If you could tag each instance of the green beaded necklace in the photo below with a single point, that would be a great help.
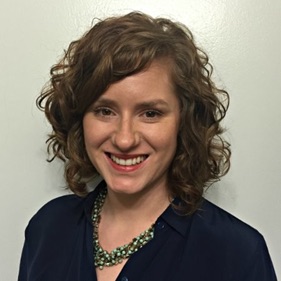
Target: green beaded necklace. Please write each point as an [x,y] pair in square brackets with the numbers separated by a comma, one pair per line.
[102,257]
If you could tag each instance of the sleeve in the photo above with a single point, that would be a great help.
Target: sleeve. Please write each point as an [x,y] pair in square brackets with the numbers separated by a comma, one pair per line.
[23,268]
[261,268]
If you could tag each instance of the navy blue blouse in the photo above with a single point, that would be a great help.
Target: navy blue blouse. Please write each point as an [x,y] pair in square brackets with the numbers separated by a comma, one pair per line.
[210,245]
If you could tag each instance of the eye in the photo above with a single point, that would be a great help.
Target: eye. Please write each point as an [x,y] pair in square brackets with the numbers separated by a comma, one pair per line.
[103,112]
[151,114]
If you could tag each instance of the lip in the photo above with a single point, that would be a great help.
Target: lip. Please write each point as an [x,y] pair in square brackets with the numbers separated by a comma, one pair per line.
[124,168]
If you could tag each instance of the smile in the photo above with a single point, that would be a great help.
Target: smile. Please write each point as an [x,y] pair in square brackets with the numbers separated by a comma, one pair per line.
[129,161]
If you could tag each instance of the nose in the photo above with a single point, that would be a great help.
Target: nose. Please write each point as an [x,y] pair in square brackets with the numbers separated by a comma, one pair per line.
[125,137]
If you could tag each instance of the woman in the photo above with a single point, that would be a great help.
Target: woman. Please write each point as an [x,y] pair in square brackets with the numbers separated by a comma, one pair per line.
[133,101]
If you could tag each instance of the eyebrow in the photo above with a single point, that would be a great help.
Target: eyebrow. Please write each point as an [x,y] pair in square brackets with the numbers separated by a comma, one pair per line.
[145,104]
[105,101]
[152,103]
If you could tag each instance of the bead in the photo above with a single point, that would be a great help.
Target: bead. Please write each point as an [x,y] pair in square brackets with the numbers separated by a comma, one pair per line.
[102,257]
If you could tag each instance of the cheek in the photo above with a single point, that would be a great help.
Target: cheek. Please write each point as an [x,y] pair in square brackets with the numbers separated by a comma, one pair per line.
[86,131]
[164,137]
[91,127]
[91,138]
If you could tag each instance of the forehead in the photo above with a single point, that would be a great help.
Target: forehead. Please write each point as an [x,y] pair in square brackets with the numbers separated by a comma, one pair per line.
[153,81]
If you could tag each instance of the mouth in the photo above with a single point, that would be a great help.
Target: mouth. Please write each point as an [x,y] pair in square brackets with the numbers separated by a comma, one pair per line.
[128,160]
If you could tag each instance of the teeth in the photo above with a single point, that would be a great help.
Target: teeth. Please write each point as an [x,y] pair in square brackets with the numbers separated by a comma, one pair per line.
[127,162]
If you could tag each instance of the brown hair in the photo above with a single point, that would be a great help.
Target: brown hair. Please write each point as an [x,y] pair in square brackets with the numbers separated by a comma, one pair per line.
[114,49]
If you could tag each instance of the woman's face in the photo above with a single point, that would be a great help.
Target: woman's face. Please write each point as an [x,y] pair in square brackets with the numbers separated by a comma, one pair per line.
[131,131]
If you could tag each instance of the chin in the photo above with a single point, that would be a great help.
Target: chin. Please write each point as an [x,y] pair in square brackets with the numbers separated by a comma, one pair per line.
[125,187]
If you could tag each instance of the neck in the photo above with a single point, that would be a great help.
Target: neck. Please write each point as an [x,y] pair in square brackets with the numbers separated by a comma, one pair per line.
[144,207]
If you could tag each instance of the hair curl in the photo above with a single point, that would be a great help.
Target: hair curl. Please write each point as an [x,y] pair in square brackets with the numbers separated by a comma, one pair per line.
[118,47]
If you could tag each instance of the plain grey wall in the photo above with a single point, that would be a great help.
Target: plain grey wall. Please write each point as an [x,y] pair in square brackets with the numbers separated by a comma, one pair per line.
[243,40]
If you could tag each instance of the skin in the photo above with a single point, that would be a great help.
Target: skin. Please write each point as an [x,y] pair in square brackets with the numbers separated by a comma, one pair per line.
[137,120]
[136,117]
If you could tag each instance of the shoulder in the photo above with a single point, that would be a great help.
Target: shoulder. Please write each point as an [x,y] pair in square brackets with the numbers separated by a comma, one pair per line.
[222,239]
[214,216]
[58,208]
[225,230]
[56,233]
[62,213]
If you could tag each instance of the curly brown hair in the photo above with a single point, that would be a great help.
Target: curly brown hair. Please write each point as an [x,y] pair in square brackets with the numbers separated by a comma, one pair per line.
[118,47]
